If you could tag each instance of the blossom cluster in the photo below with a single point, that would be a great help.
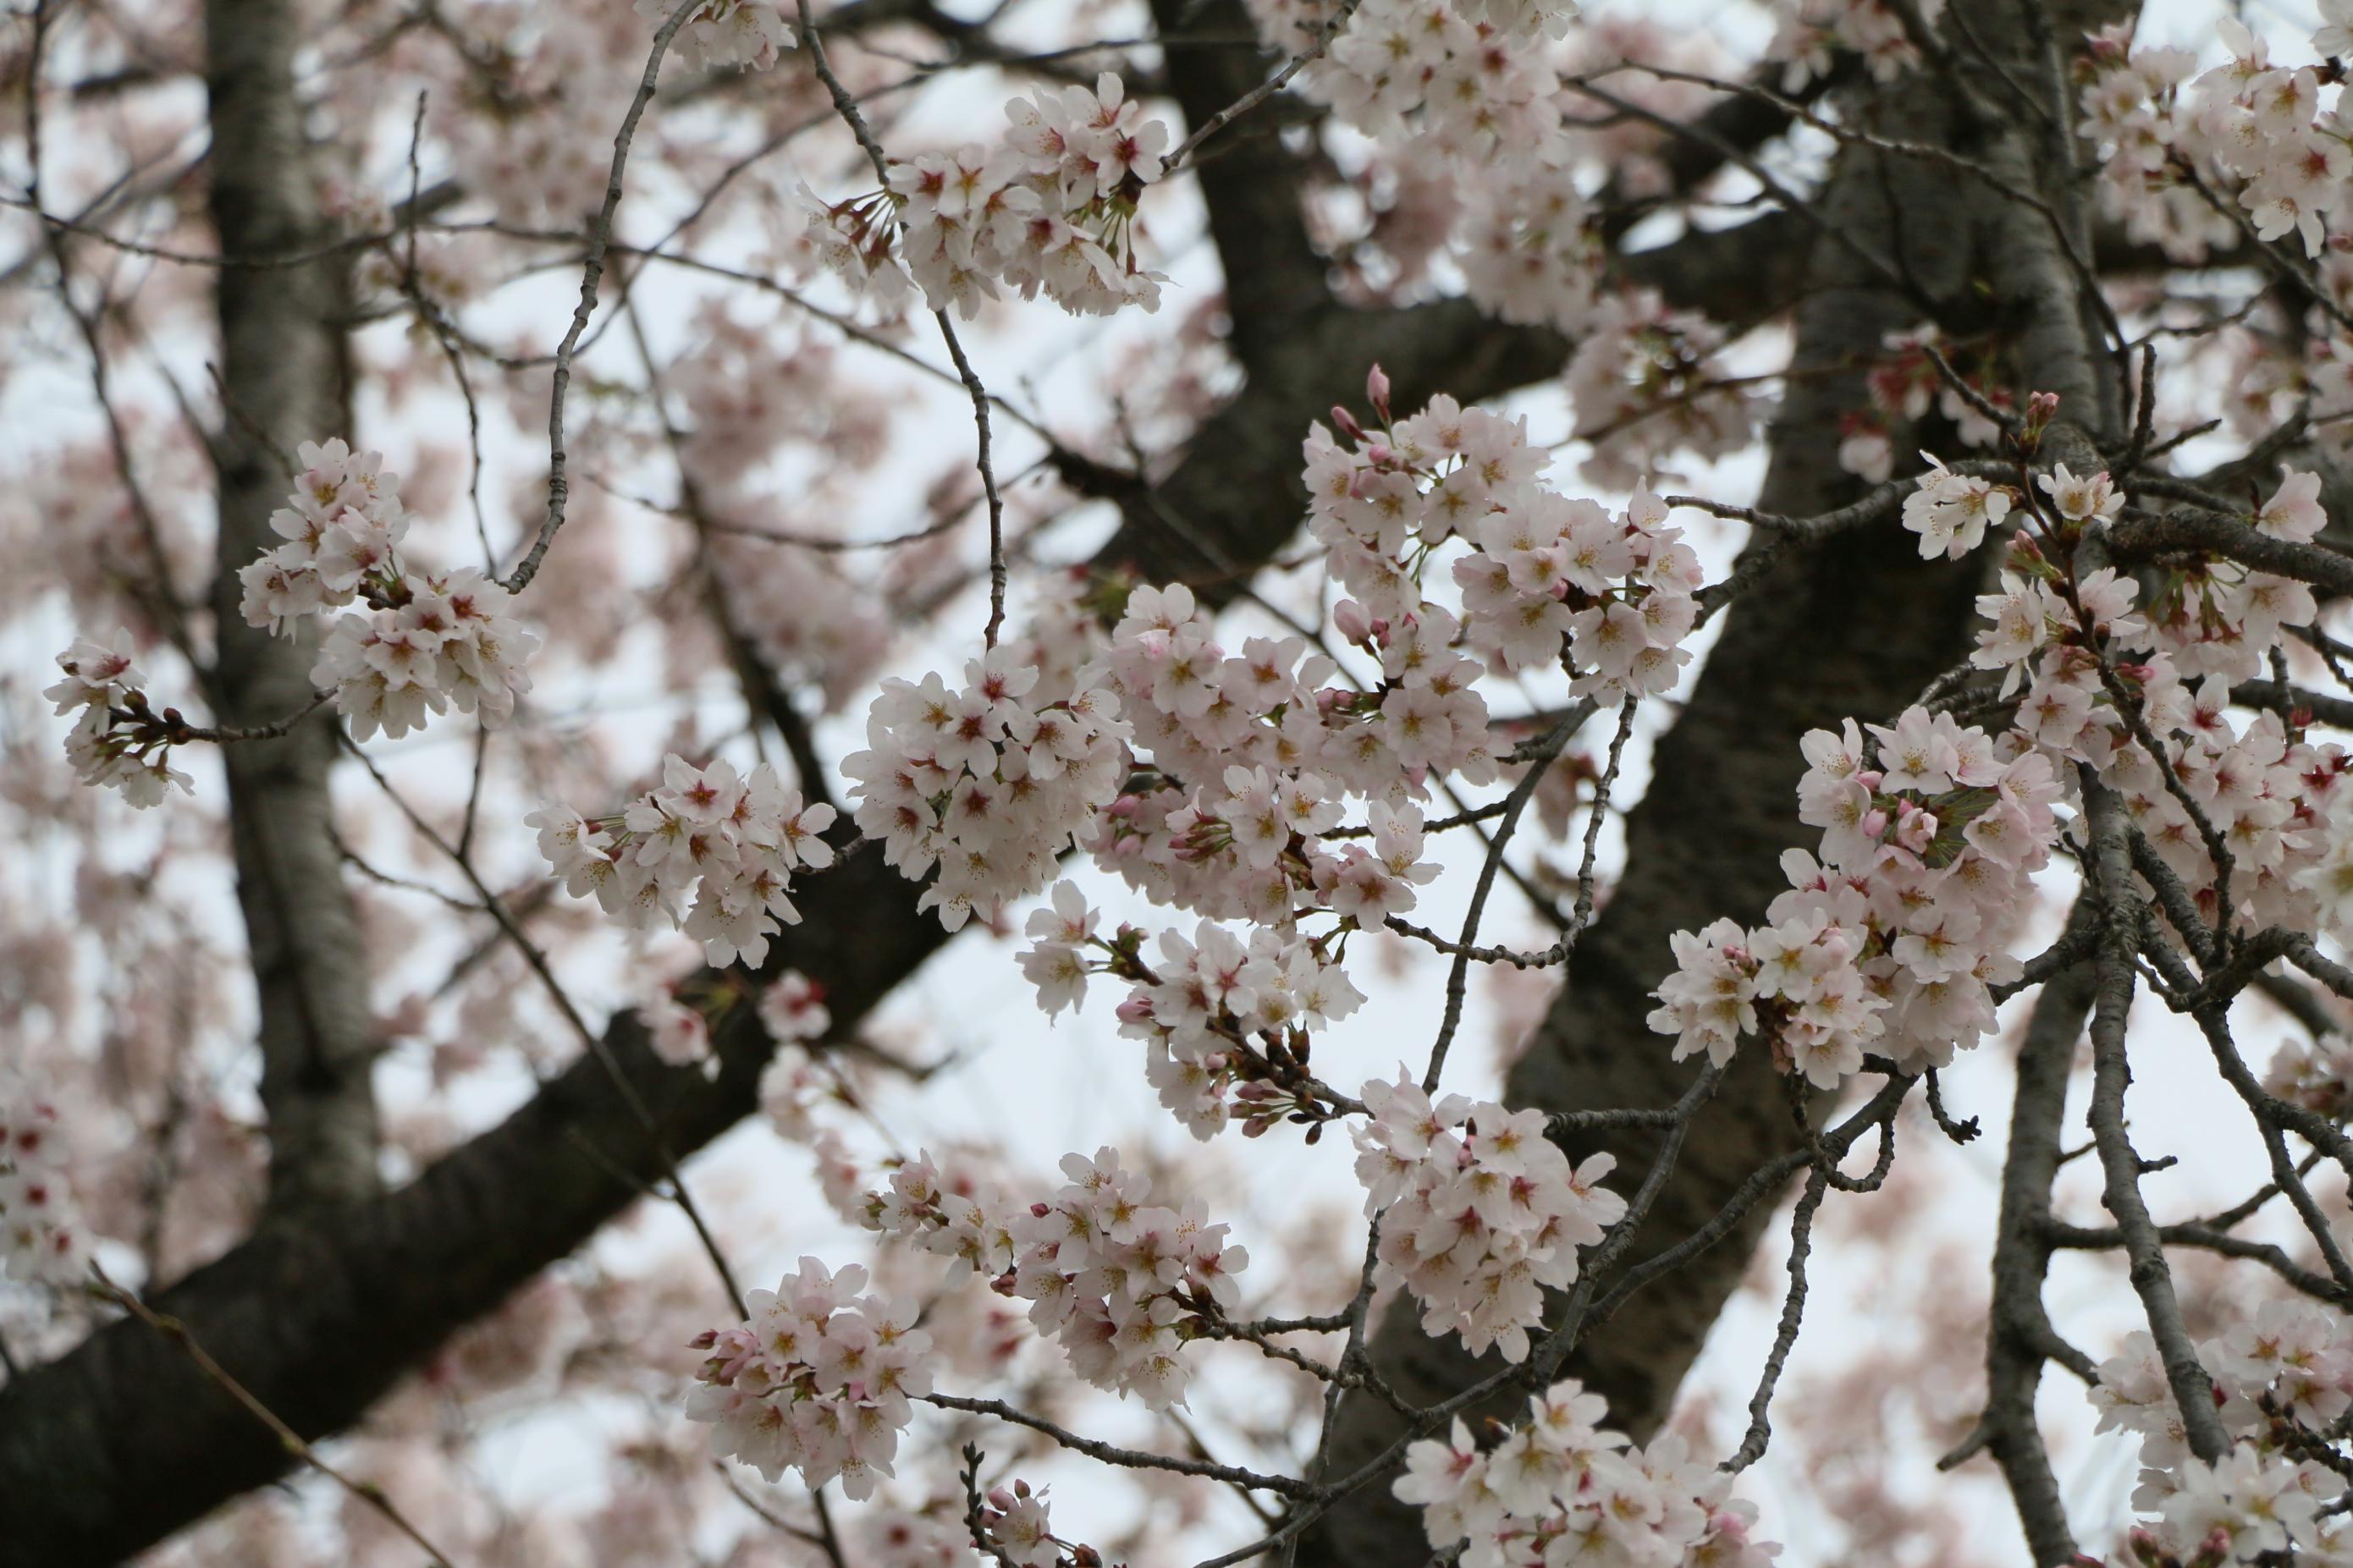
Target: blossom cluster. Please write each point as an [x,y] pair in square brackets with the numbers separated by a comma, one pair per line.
[2218,618]
[2194,162]
[1547,576]
[2283,1375]
[1247,763]
[1209,997]
[718,34]
[1466,105]
[1813,32]
[1530,252]
[1951,511]
[1050,207]
[1462,81]
[1649,387]
[2328,877]
[440,640]
[733,841]
[2252,130]
[2090,661]
[2278,802]
[792,1009]
[118,740]
[819,1379]
[989,783]
[428,642]
[1251,757]
[41,1233]
[342,525]
[1481,1212]
[1891,941]
[1116,1279]
[1013,1522]
[1561,1489]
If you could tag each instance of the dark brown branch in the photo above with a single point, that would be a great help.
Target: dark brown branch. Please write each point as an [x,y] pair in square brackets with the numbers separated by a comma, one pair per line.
[2187,531]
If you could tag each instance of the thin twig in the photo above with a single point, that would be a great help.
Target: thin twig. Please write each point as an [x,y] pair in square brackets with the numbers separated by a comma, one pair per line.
[592,274]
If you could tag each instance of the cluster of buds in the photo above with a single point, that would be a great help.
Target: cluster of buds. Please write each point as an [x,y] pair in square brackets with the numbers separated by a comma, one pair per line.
[120,741]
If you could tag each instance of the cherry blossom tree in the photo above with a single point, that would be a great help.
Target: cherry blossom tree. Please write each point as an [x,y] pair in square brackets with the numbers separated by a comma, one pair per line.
[1792,572]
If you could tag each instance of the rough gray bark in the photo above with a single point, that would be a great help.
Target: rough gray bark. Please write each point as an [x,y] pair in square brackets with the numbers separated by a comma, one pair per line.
[282,376]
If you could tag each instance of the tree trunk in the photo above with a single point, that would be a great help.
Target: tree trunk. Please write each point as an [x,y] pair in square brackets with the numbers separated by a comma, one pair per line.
[283,382]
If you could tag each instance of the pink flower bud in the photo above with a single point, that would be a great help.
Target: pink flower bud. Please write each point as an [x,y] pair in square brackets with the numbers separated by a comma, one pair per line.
[1348,618]
[1377,391]
[1875,823]
[1136,1010]
[1347,424]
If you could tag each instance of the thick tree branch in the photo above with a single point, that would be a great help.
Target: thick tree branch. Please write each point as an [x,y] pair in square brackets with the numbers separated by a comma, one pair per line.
[2188,529]
[1249,182]
[283,377]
